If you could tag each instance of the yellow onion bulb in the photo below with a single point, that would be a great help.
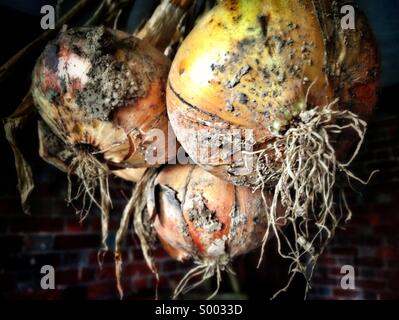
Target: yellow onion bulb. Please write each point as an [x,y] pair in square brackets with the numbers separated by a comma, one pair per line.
[201,217]
[258,64]
[104,90]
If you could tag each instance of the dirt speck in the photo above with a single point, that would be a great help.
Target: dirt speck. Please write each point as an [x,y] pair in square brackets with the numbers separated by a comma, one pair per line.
[237,78]
[242,98]
[263,21]
[110,83]
[201,216]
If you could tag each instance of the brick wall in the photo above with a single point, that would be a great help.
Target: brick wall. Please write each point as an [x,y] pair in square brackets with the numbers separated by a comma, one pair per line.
[370,242]
[53,235]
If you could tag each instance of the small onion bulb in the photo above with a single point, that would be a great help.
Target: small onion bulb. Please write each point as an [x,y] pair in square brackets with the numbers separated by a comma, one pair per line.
[197,215]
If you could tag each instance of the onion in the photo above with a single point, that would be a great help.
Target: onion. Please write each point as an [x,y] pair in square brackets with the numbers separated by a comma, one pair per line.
[103,90]
[199,216]
[250,65]
[289,74]
[102,93]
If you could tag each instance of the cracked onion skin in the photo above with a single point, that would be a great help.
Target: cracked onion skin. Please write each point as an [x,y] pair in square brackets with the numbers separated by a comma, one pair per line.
[250,64]
[103,89]
[54,151]
[197,215]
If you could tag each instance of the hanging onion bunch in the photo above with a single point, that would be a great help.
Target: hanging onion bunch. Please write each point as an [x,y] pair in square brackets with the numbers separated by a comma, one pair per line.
[290,73]
[201,217]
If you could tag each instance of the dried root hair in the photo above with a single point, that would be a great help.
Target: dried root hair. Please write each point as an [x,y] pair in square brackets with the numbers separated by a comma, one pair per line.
[93,177]
[303,169]
[136,207]
[205,269]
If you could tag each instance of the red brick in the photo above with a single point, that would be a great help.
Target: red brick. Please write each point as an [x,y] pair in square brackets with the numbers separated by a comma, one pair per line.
[166,282]
[37,295]
[68,242]
[108,257]
[11,243]
[394,283]
[28,224]
[60,208]
[369,262]
[131,240]
[344,251]
[170,266]
[76,226]
[389,295]
[358,221]
[375,219]
[7,282]
[95,224]
[334,271]
[53,259]
[11,206]
[392,240]
[386,273]
[325,281]
[142,283]
[14,262]
[387,229]
[103,290]
[138,255]
[74,258]
[160,253]
[38,242]
[106,272]
[387,252]
[371,285]
[340,293]
[3,225]
[136,269]
[73,276]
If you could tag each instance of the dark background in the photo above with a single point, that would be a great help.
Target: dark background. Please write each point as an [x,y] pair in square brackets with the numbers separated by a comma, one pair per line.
[53,235]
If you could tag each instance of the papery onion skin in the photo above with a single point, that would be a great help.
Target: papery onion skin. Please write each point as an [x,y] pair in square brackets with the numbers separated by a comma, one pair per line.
[129,174]
[105,89]
[55,152]
[197,215]
[250,65]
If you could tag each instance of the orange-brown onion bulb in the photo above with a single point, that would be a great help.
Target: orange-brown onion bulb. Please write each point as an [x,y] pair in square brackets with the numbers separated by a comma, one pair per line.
[104,89]
[250,65]
[197,215]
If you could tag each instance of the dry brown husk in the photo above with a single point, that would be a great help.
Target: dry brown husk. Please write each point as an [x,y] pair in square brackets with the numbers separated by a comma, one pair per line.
[12,126]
